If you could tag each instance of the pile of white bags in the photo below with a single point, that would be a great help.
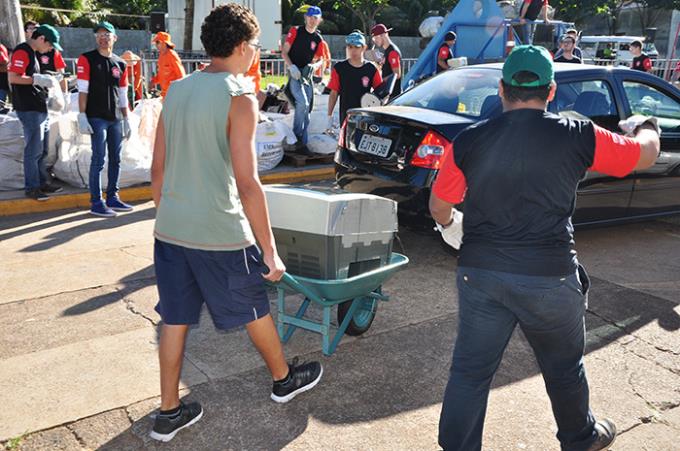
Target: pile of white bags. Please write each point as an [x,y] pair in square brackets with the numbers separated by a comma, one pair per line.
[75,155]
[269,137]
[11,152]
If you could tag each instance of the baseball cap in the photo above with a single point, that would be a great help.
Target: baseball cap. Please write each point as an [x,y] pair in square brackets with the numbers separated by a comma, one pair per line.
[529,58]
[379,29]
[50,33]
[450,36]
[106,26]
[355,38]
[313,11]
[162,36]
[566,37]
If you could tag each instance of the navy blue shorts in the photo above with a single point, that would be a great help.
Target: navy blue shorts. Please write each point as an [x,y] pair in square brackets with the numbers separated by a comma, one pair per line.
[229,282]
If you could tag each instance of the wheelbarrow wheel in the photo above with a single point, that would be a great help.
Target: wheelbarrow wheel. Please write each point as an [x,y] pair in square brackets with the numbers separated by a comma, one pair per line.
[363,316]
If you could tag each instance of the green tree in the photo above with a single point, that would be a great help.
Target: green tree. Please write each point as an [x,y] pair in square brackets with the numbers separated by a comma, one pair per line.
[365,10]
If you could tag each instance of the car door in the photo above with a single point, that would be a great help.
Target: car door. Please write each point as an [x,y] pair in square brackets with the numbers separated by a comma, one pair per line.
[600,196]
[656,189]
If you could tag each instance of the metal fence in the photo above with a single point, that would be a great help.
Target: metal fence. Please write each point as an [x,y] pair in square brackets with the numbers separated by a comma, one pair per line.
[663,68]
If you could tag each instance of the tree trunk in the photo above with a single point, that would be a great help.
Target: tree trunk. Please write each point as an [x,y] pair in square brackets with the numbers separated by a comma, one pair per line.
[189,25]
[11,23]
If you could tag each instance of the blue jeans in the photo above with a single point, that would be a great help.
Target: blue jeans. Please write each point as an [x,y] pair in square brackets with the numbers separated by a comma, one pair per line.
[36,135]
[3,95]
[106,134]
[529,32]
[303,94]
[550,312]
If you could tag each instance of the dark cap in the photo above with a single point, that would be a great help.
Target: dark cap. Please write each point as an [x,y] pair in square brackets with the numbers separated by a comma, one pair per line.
[50,33]
[529,58]
[450,36]
[313,11]
[108,26]
[379,29]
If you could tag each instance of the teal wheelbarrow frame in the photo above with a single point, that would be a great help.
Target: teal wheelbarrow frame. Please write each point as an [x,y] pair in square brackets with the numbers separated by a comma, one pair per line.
[357,296]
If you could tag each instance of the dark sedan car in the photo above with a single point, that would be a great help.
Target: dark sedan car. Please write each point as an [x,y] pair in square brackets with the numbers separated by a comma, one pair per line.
[395,151]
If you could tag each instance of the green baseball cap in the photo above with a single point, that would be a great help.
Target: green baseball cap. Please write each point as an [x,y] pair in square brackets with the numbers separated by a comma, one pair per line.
[106,26]
[529,58]
[50,33]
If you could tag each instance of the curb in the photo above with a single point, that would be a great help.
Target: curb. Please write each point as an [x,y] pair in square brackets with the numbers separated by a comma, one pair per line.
[13,207]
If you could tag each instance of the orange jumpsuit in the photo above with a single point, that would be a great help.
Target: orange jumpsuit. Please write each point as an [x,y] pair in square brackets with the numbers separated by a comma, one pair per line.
[169,69]
[135,78]
[326,56]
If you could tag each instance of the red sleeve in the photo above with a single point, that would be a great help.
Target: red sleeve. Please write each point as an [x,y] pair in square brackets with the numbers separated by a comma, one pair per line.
[123,80]
[19,62]
[394,60]
[59,62]
[292,34]
[319,50]
[334,84]
[450,185]
[527,1]
[614,154]
[377,79]
[4,57]
[83,68]
[443,52]
[647,64]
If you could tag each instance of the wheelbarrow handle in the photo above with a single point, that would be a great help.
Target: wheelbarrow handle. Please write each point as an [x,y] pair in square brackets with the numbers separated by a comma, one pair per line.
[290,281]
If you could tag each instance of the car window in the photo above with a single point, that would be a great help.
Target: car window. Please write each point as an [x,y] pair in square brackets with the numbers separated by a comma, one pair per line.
[590,99]
[469,92]
[649,101]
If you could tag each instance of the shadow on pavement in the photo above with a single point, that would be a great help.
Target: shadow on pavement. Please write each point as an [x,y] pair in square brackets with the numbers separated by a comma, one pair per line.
[63,236]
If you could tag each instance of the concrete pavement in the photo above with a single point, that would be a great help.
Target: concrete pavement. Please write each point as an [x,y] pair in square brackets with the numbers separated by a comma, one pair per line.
[78,367]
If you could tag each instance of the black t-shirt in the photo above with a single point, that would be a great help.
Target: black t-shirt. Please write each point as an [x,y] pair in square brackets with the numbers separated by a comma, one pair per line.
[562,59]
[534,9]
[642,63]
[387,67]
[444,53]
[303,46]
[352,83]
[518,174]
[104,76]
[47,61]
[27,97]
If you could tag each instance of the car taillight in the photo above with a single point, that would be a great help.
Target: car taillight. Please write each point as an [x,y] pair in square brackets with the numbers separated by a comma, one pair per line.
[341,136]
[431,150]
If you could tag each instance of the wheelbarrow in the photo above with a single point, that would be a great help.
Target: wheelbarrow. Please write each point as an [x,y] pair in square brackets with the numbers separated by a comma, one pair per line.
[356,299]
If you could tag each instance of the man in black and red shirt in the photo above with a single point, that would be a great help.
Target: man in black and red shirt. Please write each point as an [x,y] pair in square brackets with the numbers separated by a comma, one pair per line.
[529,11]
[444,54]
[392,56]
[352,78]
[517,263]
[302,46]
[103,103]
[29,99]
[641,61]
[53,61]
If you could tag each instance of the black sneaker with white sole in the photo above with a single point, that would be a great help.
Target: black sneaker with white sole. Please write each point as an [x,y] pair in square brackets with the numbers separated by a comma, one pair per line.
[165,427]
[300,378]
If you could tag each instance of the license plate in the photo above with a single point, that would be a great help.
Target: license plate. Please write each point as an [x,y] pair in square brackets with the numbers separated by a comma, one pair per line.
[375,145]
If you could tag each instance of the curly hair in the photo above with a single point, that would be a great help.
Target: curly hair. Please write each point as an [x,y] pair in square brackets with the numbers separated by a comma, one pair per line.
[226,27]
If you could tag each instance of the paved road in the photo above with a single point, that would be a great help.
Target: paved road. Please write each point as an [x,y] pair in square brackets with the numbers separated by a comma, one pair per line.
[78,368]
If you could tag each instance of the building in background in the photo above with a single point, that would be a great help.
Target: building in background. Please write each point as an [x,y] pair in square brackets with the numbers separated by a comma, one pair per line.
[268,13]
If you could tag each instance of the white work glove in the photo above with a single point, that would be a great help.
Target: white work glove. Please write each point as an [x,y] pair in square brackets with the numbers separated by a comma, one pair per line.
[84,126]
[295,72]
[631,125]
[44,81]
[453,234]
[125,128]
